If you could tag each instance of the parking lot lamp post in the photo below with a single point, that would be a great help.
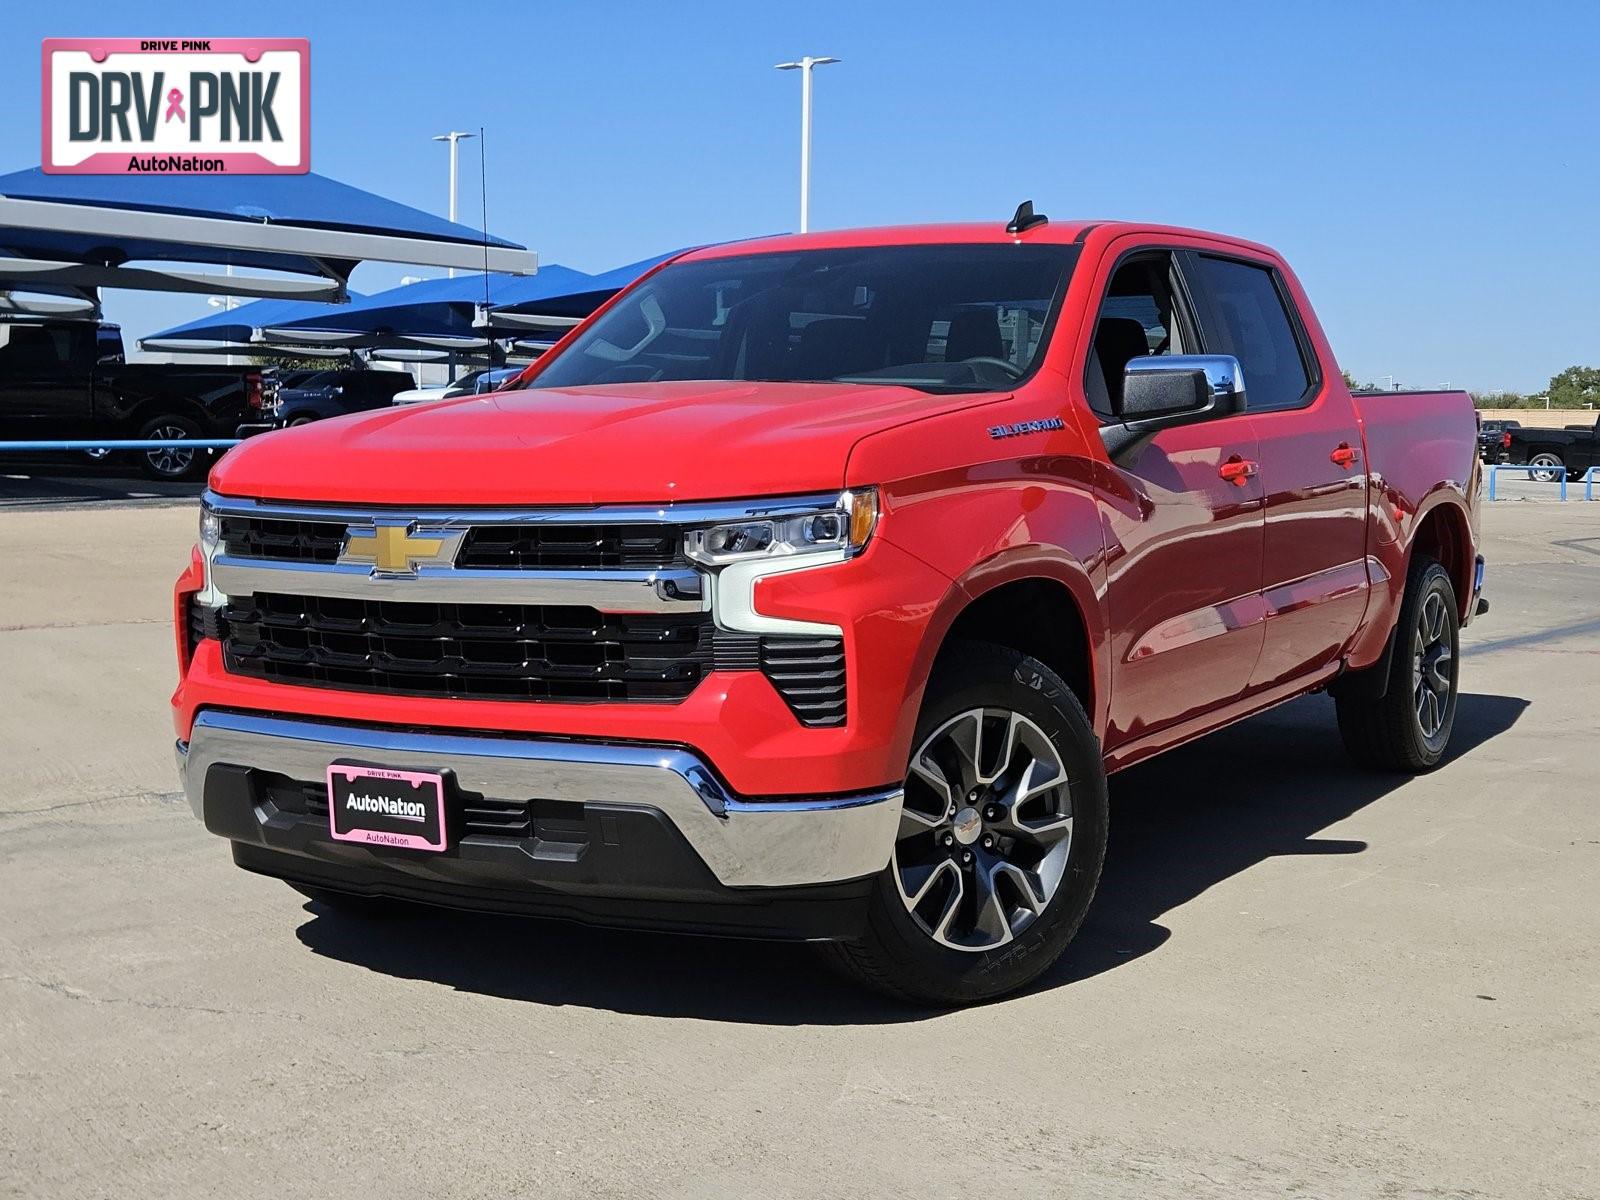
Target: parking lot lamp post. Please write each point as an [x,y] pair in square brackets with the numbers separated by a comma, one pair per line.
[454,137]
[804,66]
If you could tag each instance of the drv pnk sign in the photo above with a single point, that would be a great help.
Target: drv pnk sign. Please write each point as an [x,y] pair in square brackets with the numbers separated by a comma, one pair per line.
[170,106]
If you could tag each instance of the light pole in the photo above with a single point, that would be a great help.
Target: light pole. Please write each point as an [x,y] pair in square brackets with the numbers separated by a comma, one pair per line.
[227,304]
[804,66]
[454,137]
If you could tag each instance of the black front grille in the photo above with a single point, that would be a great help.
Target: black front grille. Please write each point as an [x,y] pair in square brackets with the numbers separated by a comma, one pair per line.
[809,675]
[486,547]
[549,547]
[472,651]
[284,540]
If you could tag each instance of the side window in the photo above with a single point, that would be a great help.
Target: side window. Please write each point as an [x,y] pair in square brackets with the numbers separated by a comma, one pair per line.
[1247,319]
[37,351]
[1142,313]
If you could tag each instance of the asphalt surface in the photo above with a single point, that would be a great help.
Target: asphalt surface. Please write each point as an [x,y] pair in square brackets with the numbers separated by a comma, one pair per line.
[1298,979]
[54,481]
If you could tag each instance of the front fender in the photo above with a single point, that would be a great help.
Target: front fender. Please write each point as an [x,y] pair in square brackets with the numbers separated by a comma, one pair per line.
[988,533]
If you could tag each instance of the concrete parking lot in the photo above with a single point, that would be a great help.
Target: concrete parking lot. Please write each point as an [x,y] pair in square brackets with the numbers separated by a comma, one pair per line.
[1298,979]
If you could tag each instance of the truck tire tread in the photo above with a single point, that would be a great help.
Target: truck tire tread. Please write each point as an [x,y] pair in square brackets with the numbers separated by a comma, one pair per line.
[1382,734]
[882,959]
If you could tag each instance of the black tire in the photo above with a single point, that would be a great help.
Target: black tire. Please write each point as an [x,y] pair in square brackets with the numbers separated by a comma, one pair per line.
[347,904]
[302,419]
[900,957]
[1389,734]
[179,466]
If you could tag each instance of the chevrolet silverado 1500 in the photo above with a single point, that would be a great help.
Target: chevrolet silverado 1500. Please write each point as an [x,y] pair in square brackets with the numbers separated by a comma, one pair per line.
[812,587]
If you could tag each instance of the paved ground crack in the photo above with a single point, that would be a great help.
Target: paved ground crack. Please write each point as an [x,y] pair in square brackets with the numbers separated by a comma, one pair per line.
[162,797]
[71,993]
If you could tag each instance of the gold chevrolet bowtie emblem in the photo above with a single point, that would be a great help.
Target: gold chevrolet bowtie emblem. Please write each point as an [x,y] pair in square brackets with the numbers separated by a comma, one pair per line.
[394,549]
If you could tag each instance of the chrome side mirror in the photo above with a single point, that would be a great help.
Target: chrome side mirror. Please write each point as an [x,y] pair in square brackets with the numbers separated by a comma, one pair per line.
[1165,391]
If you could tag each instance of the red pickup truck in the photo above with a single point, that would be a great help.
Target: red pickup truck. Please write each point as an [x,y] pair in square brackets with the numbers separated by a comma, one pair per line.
[813,586]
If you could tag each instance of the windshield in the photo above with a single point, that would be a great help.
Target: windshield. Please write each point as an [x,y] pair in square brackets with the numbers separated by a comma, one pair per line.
[465,383]
[937,318]
[490,380]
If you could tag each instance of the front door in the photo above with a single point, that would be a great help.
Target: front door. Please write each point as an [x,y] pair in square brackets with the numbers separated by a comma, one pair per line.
[1184,524]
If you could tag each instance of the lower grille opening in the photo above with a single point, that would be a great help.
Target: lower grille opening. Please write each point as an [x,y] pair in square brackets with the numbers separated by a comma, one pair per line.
[467,814]
[809,674]
[204,621]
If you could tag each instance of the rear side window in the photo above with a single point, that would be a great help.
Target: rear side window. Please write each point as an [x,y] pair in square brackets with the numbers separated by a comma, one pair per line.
[42,350]
[1248,319]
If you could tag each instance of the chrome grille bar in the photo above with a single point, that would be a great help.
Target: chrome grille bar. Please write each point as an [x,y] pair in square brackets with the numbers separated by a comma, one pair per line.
[606,591]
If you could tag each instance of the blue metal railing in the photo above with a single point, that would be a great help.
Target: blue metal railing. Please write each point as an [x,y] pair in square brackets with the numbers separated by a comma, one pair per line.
[118,444]
[1588,477]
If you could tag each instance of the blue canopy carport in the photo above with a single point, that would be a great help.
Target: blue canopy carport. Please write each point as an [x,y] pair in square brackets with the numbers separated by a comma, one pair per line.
[72,234]
[438,314]
[555,311]
[235,331]
[67,236]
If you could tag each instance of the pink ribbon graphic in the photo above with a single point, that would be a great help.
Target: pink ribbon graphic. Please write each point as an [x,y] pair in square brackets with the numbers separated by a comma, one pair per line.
[174,106]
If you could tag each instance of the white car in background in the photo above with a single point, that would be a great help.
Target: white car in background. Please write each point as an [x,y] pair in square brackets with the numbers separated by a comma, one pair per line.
[468,385]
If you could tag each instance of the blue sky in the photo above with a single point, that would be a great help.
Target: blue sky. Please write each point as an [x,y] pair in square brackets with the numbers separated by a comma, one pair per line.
[1430,169]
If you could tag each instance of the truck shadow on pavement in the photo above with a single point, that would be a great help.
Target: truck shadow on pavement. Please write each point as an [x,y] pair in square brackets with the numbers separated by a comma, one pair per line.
[1261,789]
[1180,824]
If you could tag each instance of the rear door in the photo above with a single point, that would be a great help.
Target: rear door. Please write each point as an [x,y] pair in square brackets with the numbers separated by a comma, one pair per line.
[1309,442]
[46,379]
[1184,568]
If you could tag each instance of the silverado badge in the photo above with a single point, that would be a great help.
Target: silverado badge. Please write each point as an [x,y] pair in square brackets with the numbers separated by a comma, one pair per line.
[1042,425]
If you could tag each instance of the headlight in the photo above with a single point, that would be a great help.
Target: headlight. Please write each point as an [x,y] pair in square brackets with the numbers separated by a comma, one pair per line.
[846,525]
[210,543]
[210,530]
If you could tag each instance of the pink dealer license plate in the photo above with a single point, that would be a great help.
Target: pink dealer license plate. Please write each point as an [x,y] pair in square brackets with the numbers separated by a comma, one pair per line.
[177,106]
[386,808]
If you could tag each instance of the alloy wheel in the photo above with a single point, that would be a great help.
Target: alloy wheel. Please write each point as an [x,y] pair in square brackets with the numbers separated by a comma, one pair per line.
[986,829]
[1547,468]
[170,460]
[1432,670]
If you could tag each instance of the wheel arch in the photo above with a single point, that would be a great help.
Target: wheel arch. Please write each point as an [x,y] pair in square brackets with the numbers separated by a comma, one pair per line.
[1045,608]
[1444,533]
[169,405]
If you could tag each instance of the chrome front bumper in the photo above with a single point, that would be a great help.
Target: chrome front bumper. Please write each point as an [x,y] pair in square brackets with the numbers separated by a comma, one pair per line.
[745,843]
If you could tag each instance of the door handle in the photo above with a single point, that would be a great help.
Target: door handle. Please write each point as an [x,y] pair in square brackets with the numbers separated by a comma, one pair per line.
[1345,455]
[1237,471]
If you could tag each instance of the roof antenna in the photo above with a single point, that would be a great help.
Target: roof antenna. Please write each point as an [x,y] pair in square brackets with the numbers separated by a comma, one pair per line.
[1026,218]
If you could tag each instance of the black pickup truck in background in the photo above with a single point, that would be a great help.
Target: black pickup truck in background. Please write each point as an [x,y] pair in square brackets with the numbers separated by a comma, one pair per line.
[1576,447]
[71,379]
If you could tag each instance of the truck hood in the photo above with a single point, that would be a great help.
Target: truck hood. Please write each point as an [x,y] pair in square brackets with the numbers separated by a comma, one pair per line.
[644,443]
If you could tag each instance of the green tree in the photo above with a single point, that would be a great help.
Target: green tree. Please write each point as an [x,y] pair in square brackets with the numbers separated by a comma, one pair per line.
[292,362]
[1576,387]
[1499,400]
[1350,382]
